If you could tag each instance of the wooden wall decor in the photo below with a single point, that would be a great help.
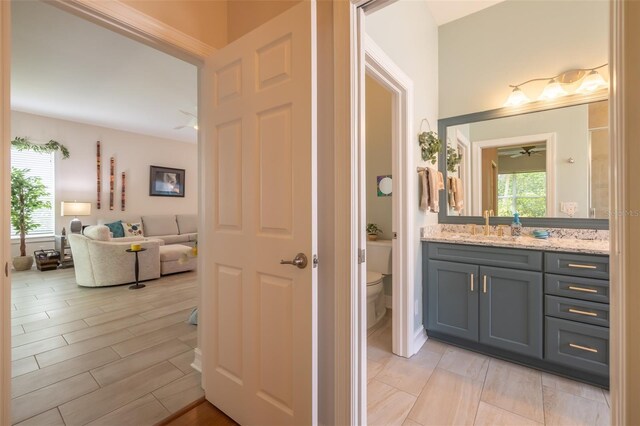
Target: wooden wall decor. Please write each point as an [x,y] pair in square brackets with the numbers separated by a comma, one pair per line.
[99,188]
[124,186]
[112,183]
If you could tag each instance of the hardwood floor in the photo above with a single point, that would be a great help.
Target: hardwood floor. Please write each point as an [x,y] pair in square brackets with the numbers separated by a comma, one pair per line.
[446,385]
[101,356]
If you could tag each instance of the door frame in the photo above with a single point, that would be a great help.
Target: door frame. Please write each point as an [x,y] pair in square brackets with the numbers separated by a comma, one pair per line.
[382,69]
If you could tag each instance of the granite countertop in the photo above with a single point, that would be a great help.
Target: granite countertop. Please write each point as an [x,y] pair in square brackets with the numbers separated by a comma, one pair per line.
[523,242]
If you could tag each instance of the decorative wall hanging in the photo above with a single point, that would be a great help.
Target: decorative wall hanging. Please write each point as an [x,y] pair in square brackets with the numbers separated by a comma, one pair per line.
[112,183]
[166,182]
[430,144]
[99,187]
[124,186]
[384,185]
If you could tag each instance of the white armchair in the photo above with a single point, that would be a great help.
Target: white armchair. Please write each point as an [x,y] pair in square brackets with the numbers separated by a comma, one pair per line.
[100,261]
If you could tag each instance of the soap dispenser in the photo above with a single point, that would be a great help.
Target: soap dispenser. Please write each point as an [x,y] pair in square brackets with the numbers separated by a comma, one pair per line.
[516,226]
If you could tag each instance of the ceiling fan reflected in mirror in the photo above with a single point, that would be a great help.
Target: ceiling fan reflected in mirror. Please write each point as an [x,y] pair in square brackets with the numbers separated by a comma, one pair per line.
[528,151]
[191,123]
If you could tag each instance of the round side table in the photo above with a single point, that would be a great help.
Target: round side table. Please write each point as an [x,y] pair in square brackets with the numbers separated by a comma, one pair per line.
[137,269]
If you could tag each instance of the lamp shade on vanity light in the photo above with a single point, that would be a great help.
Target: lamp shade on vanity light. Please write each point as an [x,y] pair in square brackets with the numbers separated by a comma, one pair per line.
[551,91]
[517,97]
[75,209]
[592,82]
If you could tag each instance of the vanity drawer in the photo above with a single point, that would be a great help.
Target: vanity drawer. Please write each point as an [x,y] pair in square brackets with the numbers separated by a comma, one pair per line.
[581,265]
[577,310]
[489,256]
[577,287]
[576,345]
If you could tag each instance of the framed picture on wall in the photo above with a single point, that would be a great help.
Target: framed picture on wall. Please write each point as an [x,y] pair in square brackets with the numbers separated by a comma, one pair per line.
[166,182]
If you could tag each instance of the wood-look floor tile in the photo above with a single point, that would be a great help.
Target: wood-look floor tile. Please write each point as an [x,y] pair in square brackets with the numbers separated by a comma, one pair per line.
[138,343]
[70,351]
[387,405]
[37,347]
[139,361]
[409,375]
[16,330]
[170,309]
[25,302]
[29,319]
[115,315]
[23,366]
[184,361]
[565,409]
[573,387]
[147,326]
[99,330]
[489,415]
[60,371]
[433,345]
[373,368]
[514,388]
[190,339]
[465,363]
[607,396]
[42,306]
[102,401]
[45,333]
[409,422]
[180,393]
[48,418]
[143,411]
[379,350]
[26,406]
[447,399]
[61,319]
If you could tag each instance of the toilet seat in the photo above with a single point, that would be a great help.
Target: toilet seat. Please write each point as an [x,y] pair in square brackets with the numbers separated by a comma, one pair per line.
[374,278]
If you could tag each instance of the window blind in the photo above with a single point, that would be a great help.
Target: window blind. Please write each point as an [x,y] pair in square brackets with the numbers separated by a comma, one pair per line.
[40,165]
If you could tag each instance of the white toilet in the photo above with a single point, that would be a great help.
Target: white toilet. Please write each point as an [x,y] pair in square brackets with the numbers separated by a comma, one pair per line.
[378,265]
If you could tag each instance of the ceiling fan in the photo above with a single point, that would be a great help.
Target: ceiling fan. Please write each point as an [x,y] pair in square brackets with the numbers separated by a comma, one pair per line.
[528,151]
[192,123]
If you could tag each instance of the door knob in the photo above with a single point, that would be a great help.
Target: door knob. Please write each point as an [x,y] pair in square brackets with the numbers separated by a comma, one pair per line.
[300,261]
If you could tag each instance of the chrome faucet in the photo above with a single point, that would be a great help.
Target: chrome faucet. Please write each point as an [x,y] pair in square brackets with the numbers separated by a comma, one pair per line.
[487,215]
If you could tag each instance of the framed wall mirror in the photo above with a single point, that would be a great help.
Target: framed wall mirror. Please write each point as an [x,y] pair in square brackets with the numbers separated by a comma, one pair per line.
[549,165]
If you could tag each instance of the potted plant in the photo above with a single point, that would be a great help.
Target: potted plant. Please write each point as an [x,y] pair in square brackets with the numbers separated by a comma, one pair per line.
[26,197]
[430,146]
[373,231]
[454,158]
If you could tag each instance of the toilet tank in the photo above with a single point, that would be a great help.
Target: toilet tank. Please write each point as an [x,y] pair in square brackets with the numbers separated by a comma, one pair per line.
[379,256]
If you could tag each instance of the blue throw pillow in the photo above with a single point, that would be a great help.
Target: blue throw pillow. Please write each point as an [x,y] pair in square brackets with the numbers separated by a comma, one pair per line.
[116,229]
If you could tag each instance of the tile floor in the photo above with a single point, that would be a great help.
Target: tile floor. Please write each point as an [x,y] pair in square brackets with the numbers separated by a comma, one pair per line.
[101,356]
[446,385]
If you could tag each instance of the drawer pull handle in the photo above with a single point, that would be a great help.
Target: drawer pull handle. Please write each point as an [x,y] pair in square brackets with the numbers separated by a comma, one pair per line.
[471,282]
[581,266]
[586,290]
[587,313]
[484,284]
[583,348]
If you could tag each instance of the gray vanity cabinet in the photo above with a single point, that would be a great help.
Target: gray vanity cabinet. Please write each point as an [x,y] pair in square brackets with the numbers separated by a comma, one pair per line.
[453,299]
[511,311]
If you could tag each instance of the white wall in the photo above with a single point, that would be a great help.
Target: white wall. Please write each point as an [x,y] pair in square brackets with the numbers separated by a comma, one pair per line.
[378,151]
[133,153]
[514,41]
[571,126]
[407,33]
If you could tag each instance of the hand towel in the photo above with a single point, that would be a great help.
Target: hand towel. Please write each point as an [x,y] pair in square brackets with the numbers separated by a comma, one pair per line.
[434,183]
[450,193]
[459,194]
[424,196]
[440,181]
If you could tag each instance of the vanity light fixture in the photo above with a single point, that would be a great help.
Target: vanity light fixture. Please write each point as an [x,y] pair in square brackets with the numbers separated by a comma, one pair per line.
[592,81]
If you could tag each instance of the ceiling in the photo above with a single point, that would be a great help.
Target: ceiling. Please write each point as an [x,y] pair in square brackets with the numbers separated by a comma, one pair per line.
[444,11]
[68,68]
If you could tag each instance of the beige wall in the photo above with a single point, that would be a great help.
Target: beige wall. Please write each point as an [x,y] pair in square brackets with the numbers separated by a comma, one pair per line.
[245,15]
[378,148]
[203,20]
[514,41]
[407,33]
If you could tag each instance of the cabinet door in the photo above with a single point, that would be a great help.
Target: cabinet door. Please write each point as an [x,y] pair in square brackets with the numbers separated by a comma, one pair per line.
[453,299]
[511,314]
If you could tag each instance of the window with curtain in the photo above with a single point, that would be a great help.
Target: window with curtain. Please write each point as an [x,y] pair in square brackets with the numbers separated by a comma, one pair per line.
[525,193]
[41,165]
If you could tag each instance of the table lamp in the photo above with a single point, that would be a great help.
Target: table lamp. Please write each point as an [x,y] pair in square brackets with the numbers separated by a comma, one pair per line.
[75,209]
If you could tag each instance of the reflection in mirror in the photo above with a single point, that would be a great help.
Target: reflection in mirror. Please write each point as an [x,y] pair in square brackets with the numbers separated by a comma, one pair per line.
[551,163]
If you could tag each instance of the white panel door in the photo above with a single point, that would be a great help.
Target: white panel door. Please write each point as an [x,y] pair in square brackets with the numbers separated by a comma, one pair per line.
[259,322]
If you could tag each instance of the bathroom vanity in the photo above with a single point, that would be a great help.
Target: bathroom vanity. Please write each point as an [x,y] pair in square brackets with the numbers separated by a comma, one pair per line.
[542,303]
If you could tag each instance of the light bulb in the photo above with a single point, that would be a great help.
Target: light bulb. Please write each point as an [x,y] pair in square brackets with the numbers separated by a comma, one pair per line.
[517,97]
[592,82]
[552,90]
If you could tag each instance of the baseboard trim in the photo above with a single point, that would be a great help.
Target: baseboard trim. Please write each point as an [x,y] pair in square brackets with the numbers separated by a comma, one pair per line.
[197,361]
[419,339]
[388,301]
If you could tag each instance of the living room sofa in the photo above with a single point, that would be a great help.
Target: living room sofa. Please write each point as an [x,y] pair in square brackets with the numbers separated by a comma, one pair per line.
[172,229]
